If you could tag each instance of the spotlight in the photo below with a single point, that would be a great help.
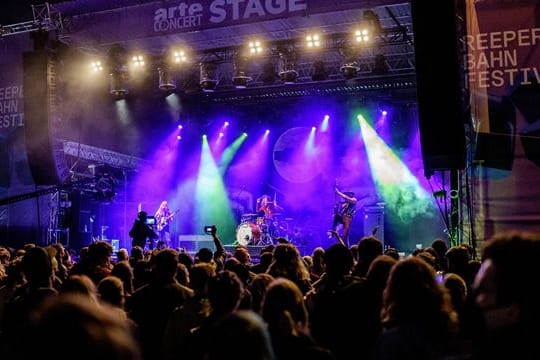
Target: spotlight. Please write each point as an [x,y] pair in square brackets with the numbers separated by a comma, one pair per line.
[313,41]
[118,83]
[255,47]
[208,79]
[287,64]
[117,63]
[362,36]
[179,56]
[137,61]
[350,70]
[96,66]
[166,81]
[240,82]
[289,76]
[240,78]
[350,67]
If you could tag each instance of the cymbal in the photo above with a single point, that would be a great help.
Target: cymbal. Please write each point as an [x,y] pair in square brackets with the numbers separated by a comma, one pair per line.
[249,215]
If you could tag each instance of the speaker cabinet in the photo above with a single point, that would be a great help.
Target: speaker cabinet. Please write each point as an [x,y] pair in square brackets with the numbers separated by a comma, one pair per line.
[193,243]
[41,113]
[374,221]
[441,113]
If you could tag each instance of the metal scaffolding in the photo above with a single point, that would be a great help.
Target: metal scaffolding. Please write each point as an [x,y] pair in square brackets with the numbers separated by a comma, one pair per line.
[102,156]
[46,18]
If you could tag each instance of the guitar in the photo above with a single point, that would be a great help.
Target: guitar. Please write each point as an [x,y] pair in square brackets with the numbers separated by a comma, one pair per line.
[164,221]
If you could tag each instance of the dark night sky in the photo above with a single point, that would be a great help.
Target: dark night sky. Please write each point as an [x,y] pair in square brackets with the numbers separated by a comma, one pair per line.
[17,11]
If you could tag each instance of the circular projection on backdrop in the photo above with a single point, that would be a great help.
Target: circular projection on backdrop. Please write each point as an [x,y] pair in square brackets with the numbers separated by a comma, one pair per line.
[293,160]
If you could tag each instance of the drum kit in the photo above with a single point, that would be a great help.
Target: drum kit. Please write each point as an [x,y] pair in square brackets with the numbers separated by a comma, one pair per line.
[255,229]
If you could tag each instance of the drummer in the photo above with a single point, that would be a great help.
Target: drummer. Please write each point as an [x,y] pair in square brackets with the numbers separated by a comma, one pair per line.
[267,208]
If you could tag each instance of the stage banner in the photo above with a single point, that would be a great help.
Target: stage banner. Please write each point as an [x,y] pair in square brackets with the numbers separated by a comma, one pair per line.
[89,20]
[502,61]
[14,168]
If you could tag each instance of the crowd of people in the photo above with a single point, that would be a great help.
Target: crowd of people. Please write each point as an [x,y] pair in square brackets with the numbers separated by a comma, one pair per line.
[342,302]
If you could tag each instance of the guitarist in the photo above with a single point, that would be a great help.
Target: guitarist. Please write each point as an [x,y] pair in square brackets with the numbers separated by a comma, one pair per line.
[164,216]
[344,210]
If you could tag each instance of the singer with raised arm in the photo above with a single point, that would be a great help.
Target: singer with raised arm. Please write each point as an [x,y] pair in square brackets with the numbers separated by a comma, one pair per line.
[164,216]
[344,210]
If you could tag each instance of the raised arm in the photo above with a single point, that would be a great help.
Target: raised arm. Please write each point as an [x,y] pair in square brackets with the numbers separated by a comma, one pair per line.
[350,199]
[338,237]
[220,249]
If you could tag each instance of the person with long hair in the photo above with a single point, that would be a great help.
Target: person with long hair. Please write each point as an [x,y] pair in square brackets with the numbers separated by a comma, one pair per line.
[163,217]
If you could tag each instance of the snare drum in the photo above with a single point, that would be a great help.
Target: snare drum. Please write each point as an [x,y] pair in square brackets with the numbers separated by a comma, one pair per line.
[248,234]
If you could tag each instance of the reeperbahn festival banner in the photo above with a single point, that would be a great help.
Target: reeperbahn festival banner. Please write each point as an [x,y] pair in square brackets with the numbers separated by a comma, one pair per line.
[503,44]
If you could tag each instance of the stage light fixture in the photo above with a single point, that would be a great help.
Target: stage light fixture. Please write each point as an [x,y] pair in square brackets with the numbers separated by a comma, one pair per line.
[362,36]
[166,79]
[137,61]
[118,71]
[179,56]
[207,76]
[287,64]
[96,66]
[240,67]
[350,67]
[369,28]
[350,70]
[255,47]
[118,83]
[313,41]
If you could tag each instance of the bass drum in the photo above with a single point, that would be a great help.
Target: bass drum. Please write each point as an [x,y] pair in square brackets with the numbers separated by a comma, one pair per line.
[248,234]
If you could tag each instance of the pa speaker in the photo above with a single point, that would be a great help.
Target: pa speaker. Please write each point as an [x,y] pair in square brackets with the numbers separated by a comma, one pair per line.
[41,114]
[441,112]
